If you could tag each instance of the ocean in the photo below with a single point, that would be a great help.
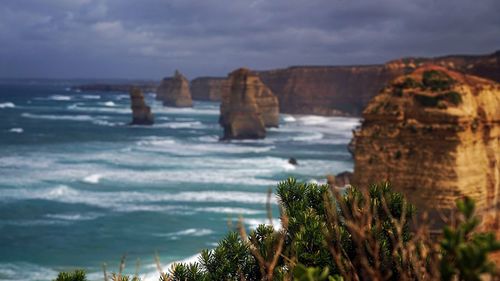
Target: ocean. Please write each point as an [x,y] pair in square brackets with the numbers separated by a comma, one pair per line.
[79,187]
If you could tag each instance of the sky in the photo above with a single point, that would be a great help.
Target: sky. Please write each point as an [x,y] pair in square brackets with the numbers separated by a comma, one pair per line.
[149,39]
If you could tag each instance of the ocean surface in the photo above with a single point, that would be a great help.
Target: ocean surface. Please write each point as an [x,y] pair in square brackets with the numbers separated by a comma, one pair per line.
[79,187]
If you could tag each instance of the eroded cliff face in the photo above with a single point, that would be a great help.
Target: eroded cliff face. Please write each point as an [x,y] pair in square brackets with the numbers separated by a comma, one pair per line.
[248,108]
[141,113]
[435,135]
[329,90]
[175,91]
[209,88]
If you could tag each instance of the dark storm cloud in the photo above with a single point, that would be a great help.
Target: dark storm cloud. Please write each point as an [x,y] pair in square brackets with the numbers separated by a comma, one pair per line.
[151,38]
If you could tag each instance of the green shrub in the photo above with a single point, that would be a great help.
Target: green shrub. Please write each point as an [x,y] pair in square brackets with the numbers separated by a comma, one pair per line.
[354,235]
[77,275]
[427,101]
[437,80]
[465,253]
[453,97]
[437,100]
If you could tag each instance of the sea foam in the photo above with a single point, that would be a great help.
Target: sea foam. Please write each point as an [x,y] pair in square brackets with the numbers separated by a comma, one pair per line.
[7,105]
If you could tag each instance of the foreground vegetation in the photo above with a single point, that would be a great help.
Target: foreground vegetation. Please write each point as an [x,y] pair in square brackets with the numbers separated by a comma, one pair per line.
[354,235]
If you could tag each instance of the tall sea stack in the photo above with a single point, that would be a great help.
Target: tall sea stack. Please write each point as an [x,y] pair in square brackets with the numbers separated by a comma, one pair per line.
[141,113]
[248,108]
[435,135]
[174,91]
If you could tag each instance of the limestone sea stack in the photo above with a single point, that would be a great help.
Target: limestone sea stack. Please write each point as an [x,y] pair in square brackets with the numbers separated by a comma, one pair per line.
[141,113]
[435,135]
[174,91]
[248,108]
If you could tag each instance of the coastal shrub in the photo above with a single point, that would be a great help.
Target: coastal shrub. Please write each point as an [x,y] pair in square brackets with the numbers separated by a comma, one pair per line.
[351,235]
[453,97]
[465,253]
[437,80]
[319,234]
[427,101]
[77,275]
[437,100]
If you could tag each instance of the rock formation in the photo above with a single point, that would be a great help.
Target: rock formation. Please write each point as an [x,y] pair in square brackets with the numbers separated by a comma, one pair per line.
[435,135]
[209,88]
[141,113]
[175,91]
[248,108]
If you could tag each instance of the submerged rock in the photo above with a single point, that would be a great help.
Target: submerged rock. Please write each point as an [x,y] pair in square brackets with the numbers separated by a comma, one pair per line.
[435,135]
[174,91]
[141,113]
[293,161]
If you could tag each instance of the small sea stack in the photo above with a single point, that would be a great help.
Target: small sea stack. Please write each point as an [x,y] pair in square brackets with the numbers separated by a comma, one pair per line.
[141,113]
[174,91]
[248,108]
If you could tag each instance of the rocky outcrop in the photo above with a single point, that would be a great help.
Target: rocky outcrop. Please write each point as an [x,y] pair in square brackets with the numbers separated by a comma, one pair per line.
[435,135]
[141,113]
[248,108]
[209,88]
[174,91]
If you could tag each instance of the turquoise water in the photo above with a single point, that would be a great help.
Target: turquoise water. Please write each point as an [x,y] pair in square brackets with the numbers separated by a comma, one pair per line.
[79,187]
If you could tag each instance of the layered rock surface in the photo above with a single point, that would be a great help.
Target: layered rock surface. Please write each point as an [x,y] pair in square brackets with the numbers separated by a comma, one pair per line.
[141,113]
[174,91]
[435,135]
[209,88]
[346,90]
[248,108]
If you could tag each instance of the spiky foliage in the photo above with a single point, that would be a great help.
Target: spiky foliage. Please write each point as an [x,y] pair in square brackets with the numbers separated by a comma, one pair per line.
[353,235]
[465,253]
[77,275]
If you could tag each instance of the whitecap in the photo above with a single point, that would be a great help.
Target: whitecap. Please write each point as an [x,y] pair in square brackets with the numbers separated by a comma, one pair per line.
[59,98]
[74,216]
[93,179]
[309,137]
[229,210]
[61,117]
[7,105]
[91,97]
[289,118]
[16,130]
[121,97]
[109,104]
[120,201]
[179,125]
[196,232]
[107,123]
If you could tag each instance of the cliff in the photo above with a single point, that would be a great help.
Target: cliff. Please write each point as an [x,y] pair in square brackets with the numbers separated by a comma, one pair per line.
[435,135]
[209,88]
[328,90]
[141,113]
[175,91]
[248,107]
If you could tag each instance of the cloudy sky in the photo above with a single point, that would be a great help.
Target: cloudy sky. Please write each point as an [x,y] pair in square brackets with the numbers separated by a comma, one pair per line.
[151,38]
